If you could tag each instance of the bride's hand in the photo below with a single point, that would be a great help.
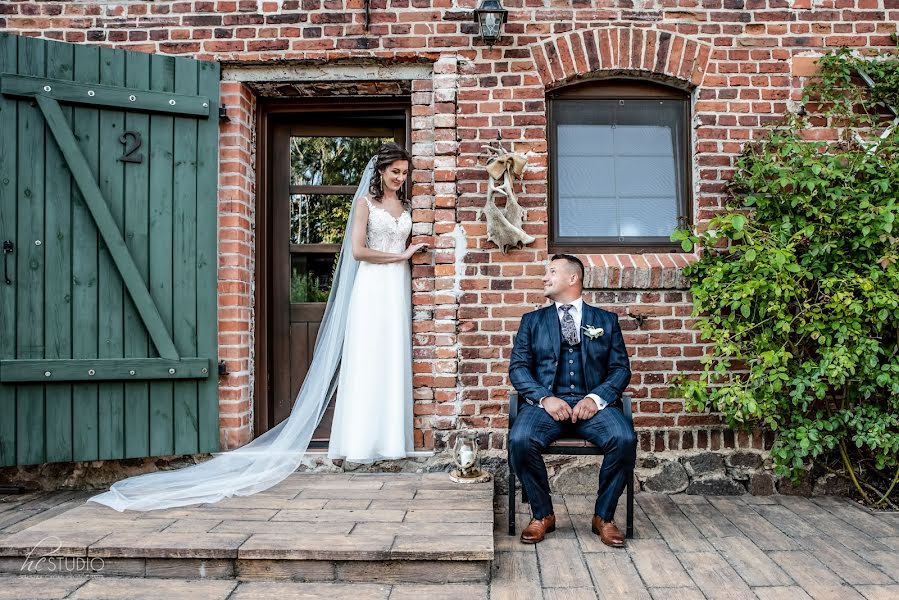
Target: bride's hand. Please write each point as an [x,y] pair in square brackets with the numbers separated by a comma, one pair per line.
[413,248]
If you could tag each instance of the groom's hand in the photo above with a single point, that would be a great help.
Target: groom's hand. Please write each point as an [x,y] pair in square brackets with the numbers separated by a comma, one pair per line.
[583,410]
[557,408]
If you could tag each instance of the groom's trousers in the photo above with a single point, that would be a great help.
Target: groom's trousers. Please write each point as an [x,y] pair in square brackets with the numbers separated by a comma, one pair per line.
[608,430]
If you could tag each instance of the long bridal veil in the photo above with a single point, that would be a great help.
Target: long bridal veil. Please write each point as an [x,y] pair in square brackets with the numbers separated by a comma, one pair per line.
[277,453]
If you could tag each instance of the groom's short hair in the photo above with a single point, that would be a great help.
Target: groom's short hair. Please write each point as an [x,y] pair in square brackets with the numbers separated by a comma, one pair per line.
[574,261]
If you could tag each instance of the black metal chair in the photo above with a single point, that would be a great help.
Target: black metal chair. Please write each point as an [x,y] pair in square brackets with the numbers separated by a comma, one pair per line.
[569,446]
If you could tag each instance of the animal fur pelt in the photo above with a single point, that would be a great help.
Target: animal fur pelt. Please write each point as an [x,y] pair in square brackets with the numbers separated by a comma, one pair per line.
[504,224]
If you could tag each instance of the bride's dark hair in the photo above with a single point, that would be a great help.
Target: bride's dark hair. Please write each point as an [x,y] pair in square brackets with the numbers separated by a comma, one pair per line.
[388,154]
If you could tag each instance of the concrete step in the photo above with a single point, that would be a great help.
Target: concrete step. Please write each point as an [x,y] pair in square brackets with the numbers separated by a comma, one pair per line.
[317,528]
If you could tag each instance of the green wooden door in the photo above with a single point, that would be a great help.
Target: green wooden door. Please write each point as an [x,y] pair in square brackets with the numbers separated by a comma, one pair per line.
[108,219]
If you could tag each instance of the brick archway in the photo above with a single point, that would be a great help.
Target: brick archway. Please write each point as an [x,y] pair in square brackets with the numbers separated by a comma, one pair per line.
[576,54]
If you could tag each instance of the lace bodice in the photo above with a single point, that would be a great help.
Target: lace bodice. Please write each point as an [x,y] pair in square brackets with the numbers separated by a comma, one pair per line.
[384,232]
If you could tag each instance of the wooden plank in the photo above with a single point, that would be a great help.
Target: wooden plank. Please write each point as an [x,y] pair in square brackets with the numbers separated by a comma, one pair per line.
[109,231]
[851,567]
[137,232]
[30,438]
[8,216]
[110,95]
[103,369]
[160,154]
[85,338]
[207,260]
[110,409]
[58,298]
[184,269]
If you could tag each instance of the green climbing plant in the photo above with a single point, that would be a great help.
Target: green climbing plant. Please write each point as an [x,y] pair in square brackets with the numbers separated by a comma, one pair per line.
[797,285]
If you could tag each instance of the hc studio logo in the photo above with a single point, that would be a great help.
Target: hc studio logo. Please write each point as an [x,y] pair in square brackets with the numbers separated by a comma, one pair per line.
[48,563]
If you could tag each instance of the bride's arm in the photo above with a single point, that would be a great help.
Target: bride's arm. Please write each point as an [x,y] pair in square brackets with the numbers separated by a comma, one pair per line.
[360,250]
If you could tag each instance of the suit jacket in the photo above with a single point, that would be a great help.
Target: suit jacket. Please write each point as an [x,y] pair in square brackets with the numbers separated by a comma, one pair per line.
[538,343]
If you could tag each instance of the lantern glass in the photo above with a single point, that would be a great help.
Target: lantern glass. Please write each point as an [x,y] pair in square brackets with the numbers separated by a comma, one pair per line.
[465,453]
[490,24]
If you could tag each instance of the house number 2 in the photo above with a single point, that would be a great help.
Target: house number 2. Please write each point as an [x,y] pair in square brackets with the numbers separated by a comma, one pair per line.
[132,142]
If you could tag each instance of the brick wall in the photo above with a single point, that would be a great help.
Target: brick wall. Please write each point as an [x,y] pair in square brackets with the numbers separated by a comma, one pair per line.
[744,60]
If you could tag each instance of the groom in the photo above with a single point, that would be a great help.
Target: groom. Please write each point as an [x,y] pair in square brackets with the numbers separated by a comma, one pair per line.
[570,366]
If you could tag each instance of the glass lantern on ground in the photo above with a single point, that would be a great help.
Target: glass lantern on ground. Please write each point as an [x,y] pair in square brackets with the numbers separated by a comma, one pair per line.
[466,456]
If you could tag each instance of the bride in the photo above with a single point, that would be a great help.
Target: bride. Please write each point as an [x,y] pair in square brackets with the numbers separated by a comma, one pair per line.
[368,314]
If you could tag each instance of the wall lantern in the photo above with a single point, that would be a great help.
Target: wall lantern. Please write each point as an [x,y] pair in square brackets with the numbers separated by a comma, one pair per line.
[490,16]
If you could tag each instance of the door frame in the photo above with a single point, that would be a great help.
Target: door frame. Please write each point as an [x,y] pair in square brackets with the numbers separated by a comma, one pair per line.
[272,113]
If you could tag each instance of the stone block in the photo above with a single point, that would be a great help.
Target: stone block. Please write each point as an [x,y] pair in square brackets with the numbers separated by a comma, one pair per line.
[705,463]
[716,486]
[761,483]
[670,479]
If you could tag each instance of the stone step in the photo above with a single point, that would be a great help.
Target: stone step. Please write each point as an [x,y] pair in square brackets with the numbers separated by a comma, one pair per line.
[317,528]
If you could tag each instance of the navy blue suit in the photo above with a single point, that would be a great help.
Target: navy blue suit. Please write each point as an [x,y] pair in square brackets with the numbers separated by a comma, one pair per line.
[543,364]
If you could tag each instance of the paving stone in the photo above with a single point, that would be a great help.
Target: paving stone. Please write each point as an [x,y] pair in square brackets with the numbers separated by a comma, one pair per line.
[714,577]
[318,547]
[879,592]
[781,593]
[753,565]
[243,514]
[343,494]
[445,516]
[168,545]
[786,520]
[829,524]
[269,502]
[616,577]
[843,561]
[657,564]
[690,593]
[450,547]
[190,568]
[348,504]
[671,523]
[295,570]
[439,592]
[814,577]
[192,526]
[460,494]
[48,543]
[282,590]
[345,516]
[423,529]
[509,590]
[763,534]
[114,588]
[581,593]
[857,516]
[516,567]
[25,587]
[417,571]
[287,528]
[708,519]
[466,505]
[561,564]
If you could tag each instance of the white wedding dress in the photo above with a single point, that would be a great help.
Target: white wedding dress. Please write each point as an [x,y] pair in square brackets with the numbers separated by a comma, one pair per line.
[373,416]
[373,412]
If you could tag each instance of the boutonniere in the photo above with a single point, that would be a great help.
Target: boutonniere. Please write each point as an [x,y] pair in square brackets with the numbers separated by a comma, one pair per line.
[593,332]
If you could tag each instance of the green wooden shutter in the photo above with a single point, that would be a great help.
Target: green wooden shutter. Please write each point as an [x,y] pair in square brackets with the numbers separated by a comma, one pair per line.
[108,321]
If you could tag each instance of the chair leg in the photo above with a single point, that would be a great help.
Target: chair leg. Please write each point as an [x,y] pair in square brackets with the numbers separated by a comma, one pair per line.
[630,507]
[524,496]
[511,500]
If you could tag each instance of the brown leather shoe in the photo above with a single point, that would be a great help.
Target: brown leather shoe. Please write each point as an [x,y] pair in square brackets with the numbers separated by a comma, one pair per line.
[608,532]
[537,529]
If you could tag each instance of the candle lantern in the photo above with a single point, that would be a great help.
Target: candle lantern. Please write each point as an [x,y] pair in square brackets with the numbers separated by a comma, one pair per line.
[466,455]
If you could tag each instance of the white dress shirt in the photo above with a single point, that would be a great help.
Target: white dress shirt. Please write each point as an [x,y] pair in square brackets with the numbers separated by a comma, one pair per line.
[576,313]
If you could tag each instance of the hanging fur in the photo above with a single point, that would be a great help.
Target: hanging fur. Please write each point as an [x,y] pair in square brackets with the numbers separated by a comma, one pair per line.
[504,224]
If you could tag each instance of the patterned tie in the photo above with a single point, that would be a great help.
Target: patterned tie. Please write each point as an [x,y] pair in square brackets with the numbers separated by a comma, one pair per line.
[569,331]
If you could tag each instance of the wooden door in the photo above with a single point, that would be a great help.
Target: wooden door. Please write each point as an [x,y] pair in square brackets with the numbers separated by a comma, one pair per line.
[108,311]
[319,160]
